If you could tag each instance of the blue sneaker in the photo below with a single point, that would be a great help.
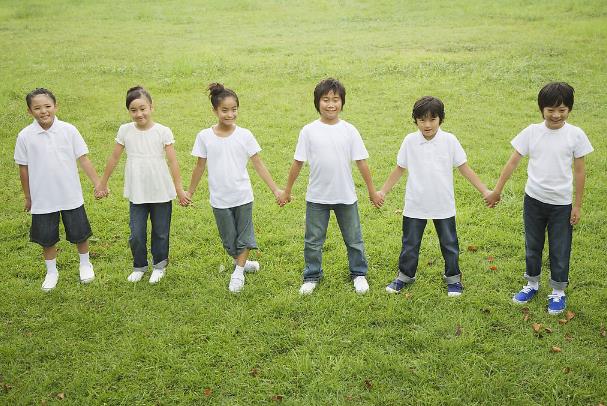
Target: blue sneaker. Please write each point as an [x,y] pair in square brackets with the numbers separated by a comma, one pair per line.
[525,295]
[454,289]
[395,286]
[556,304]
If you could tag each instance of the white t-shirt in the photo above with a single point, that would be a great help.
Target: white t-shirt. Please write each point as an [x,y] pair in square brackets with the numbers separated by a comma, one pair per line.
[551,154]
[429,192]
[329,150]
[227,158]
[146,175]
[50,156]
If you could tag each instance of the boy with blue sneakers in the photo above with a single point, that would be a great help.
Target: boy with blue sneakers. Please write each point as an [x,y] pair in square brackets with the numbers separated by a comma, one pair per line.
[429,156]
[552,146]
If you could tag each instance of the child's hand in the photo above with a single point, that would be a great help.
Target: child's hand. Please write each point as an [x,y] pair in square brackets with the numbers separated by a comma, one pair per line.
[184,199]
[283,198]
[492,198]
[576,215]
[378,199]
[27,206]
[101,191]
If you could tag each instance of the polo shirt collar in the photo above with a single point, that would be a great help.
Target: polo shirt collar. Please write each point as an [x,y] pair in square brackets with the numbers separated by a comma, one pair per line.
[52,129]
[423,140]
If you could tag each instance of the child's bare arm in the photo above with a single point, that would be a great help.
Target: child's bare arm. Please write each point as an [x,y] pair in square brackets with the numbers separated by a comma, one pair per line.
[184,200]
[365,172]
[265,175]
[88,168]
[507,171]
[579,172]
[394,177]
[196,175]
[473,178]
[25,185]
[293,174]
[109,168]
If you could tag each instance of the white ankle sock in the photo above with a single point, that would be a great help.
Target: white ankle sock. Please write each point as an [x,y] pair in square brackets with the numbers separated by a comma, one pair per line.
[84,258]
[238,271]
[51,265]
[558,292]
[534,285]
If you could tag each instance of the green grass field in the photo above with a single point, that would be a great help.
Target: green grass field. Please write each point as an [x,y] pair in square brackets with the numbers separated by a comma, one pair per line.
[188,340]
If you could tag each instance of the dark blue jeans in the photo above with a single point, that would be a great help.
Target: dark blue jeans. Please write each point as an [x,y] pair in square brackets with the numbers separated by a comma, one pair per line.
[160,217]
[317,221]
[538,217]
[413,231]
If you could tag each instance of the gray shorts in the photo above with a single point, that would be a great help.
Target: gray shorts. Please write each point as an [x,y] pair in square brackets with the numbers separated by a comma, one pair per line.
[235,225]
[45,227]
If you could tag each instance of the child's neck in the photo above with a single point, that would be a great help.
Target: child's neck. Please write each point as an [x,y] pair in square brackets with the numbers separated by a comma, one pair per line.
[329,121]
[222,130]
[146,127]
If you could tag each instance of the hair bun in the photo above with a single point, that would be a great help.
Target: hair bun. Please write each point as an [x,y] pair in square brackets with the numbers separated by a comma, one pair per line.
[215,88]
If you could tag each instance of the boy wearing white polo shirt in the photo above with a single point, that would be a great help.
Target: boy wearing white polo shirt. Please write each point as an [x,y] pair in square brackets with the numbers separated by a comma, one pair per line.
[553,147]
[329,145]
[46,152]
[429,156]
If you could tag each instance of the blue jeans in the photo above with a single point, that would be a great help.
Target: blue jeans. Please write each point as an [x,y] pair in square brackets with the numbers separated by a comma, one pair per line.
[317,220]
[160,217]
[413,230]
[537,217]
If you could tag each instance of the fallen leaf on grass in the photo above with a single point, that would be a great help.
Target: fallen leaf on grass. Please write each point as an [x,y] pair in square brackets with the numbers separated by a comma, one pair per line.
[6,387]
[458,331]
[536,327]
[603,333]
[254,372]
[566,370]
[472,248]
[568,337]
[490,259]
[60,396]
[569,315]
[207,392]
[493,268]
[526,317]
[548,330]
[277,398]
[408,295]
[555,349]
[525,310]
[368,384]
[563,321]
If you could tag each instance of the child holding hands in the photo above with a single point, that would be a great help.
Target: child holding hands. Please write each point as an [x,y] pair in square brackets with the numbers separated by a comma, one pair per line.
[225,149]
[149,184]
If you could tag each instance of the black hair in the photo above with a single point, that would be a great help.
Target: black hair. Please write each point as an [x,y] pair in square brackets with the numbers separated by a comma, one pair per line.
[428,105]
[136,92]
[217,92]
[36,92]
[326,86]
[554,94]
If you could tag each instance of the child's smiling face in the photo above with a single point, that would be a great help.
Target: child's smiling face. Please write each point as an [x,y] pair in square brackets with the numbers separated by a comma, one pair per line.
[43,109]
[227,112]
[428,126]
[141,113]
[555,116]
[329,107]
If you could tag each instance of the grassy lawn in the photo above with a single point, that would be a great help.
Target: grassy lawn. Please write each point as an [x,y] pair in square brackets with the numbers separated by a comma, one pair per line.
[188,340]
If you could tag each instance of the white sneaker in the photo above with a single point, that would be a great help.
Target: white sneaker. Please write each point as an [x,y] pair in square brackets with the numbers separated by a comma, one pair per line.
[307,288]
[50,281]
[361,286]
[156,276]
[135,276]
[86,273]
[251,266]
[236,283]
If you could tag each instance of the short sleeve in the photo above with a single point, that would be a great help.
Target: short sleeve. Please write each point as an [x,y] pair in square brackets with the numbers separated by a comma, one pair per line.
[79,146]
[199,149]
[167,136]
[251,145]
[401,158]
[301,150]
[582,146]
[120,137]
[357,146]
[459,155]
[20,151]
[521,141]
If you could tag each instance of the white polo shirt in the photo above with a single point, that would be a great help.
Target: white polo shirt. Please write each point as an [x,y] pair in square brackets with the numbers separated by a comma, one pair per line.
[551,154]
[227,158]
[330,150]
[429,192]
[50,156]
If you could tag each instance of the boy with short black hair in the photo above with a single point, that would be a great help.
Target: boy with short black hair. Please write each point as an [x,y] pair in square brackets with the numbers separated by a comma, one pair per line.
[46,152]
[329,145]
[552,146]
[429,156]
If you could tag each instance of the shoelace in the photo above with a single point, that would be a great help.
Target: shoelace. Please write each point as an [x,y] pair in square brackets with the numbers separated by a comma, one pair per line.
[555,298]
[527,289]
